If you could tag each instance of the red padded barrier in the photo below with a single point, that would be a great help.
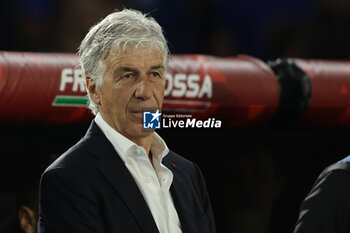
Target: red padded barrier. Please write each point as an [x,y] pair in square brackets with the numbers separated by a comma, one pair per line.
[330,93]
[245,92]
[48,88]
[30,84]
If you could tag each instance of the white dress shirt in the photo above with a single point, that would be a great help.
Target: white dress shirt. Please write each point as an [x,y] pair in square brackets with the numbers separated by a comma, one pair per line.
[153,181]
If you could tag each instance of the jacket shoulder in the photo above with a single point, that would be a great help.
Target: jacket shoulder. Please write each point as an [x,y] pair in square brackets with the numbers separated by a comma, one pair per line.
[340,166]
[72,157]
[74,164]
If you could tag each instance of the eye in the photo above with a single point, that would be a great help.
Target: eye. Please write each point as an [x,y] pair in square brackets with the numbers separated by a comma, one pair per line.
[128,75]
[155,74]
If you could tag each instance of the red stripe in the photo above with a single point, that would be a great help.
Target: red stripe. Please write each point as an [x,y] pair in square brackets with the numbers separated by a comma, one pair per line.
[0,73]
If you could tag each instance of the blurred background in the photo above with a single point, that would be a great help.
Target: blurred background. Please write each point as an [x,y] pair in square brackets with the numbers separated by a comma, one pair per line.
[257,177]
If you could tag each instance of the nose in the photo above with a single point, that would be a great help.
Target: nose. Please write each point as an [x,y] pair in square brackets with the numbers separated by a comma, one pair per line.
[143,89]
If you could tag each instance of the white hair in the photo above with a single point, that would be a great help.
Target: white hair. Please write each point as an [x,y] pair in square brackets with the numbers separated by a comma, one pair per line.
[117,31]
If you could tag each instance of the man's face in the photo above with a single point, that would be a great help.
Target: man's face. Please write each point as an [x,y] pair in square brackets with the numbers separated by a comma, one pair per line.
[134,81]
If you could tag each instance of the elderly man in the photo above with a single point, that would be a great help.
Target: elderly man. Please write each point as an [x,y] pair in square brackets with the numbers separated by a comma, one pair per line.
[120,177]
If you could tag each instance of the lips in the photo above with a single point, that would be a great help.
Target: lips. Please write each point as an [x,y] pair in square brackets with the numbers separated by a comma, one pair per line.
[137,114]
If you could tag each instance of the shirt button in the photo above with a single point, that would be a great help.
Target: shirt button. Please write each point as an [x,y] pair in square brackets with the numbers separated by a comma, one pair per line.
[137,150]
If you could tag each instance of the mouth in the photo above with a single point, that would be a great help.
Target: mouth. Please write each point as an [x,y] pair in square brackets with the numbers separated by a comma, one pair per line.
[137,111]
[137,114]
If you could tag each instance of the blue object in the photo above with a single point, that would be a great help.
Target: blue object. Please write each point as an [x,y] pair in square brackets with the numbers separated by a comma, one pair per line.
[346,159]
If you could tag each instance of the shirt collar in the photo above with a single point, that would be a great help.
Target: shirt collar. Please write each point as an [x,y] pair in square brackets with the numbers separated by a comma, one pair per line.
[159,148]
[122,144]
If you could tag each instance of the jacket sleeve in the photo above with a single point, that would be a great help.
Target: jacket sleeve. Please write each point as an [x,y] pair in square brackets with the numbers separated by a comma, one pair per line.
[67,204]
[326,208]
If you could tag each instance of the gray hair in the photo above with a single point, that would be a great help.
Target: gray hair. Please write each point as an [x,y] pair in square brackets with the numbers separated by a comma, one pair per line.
[119,30]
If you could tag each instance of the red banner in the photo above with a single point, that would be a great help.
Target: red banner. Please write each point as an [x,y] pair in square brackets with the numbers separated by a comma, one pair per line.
[41,88]
[330,93]
[49,88]
[240,91]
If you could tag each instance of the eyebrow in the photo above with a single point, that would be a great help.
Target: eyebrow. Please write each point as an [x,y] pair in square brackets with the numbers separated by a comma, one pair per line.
[125,69]
[157,67]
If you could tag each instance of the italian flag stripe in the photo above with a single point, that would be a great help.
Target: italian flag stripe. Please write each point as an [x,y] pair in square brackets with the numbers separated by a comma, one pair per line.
[73,101]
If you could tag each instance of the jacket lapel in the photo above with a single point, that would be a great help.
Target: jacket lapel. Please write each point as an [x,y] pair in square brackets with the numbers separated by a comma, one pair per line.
[180,193]
[113,168]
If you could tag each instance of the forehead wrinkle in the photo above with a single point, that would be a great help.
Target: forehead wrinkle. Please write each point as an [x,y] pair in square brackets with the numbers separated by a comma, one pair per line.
[131,59]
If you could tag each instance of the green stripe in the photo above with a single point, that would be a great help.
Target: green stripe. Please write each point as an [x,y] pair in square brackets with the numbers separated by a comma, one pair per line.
[70,101]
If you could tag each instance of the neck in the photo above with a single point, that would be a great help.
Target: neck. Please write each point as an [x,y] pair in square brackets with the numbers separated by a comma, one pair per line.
[144,141]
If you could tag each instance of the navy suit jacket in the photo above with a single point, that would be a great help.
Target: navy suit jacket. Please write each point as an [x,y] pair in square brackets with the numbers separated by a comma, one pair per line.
[326,207]
[89,190]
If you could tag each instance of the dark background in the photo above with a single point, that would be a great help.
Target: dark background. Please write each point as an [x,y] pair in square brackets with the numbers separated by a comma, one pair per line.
[256,177]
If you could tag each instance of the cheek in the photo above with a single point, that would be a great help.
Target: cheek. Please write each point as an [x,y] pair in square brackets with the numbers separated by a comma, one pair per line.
[123,95]
[159,93]
[111,98]
[161,87]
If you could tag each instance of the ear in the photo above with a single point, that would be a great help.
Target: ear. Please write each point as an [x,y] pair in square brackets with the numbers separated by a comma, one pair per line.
[27,219]
[92,89]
